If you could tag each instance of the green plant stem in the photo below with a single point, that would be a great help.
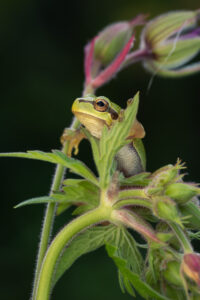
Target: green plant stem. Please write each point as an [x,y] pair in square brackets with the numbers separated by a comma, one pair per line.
[100,214]
[51,207]
[133,202]
[48,221]
[181,237]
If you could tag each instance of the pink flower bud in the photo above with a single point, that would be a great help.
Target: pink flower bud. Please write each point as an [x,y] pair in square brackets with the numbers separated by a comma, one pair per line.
[111,40]
[191,266]
[105,54]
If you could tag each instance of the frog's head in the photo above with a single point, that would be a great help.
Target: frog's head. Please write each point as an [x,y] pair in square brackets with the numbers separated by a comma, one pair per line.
[95,112]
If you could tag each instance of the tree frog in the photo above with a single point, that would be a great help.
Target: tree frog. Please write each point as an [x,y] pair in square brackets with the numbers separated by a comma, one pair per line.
[95,112]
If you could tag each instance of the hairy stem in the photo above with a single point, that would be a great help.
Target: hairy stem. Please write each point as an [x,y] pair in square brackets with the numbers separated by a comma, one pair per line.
[50,212]
[48,221]
[100,214]
[187,248]
[136,56]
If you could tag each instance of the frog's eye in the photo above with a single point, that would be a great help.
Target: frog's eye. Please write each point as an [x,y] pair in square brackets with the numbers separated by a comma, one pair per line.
[101,105]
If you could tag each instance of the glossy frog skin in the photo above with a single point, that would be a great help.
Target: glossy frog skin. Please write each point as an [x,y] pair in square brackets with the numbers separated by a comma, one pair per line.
[95,112]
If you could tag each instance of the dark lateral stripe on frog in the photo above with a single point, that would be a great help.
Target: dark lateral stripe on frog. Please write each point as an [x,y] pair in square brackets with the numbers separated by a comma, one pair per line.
[111,111]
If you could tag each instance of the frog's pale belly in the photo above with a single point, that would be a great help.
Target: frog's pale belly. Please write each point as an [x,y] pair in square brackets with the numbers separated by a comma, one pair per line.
[128,161]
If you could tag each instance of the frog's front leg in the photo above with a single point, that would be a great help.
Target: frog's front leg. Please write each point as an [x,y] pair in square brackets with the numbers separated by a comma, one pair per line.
[74,137]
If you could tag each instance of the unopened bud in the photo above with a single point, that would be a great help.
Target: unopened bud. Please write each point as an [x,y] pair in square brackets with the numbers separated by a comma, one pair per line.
[191,266]
[163,176]
[113,38]
[165,209]
[170,47]
[172,273]
[182,192]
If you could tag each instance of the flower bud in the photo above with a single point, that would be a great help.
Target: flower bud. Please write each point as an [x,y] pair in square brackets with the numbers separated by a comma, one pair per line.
[106,53]
[191,266]
[165,209]
[168,44]
[181,192]
[113,38]
[172,273]
[166,174]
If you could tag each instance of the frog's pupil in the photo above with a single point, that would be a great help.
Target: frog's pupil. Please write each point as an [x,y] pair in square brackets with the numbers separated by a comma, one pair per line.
[100,103]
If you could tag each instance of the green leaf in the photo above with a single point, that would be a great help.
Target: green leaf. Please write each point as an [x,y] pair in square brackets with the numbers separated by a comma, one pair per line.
[38,200]
[57,157]
[79,192]
[141,287]
[87,241]
[112,140]
[127,250]
[76,166]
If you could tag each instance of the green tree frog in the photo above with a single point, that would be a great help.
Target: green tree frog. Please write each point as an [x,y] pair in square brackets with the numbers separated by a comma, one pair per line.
[95,112]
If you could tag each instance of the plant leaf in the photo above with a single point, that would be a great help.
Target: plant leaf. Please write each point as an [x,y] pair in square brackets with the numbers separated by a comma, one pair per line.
[57,157]
[127,250]
[141,287]
[78,191]
[115,137]
[76,166]
[87,241]
[38,200]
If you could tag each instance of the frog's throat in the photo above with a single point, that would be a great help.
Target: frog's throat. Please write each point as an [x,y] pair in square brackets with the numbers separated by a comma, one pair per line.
[93,124]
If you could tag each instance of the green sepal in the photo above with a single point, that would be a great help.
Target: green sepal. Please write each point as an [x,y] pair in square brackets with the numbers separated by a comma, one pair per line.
[172,273]
[166,209]
[184,51]
[162,27]
[111,41]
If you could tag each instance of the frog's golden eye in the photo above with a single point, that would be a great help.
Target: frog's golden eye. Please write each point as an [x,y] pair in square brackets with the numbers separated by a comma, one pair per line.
[101,105]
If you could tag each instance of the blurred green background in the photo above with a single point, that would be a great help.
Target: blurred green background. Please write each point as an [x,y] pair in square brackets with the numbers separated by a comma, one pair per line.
[42,72]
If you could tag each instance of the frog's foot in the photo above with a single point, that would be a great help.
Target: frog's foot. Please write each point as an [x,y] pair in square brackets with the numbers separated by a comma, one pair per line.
[74,137]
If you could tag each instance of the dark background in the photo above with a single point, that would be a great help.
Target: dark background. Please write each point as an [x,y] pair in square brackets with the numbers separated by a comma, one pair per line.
[42,73]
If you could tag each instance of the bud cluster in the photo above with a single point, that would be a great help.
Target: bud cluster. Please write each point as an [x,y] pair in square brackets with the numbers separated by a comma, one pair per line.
[167,43]
[159,200]
[167,190]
